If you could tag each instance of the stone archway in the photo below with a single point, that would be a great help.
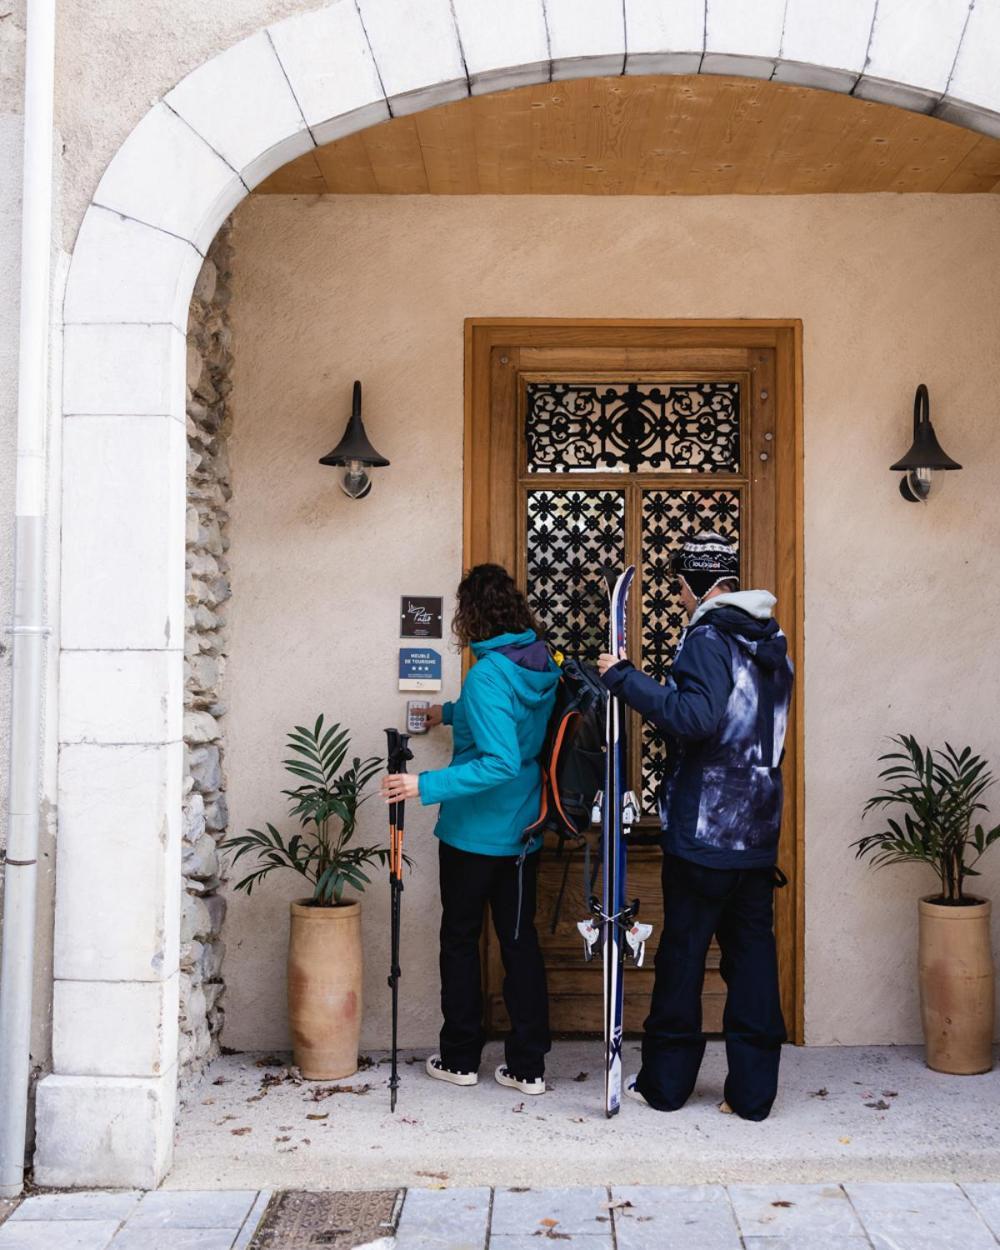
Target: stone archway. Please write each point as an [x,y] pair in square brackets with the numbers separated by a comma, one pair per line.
[105,1116]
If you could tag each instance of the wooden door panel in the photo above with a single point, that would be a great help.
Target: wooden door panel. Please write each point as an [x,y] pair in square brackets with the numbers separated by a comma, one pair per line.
[501,357]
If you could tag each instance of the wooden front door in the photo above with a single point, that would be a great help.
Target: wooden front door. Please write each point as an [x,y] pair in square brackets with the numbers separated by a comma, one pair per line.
[590,444]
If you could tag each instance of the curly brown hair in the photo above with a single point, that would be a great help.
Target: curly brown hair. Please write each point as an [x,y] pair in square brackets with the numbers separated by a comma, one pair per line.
[489,603]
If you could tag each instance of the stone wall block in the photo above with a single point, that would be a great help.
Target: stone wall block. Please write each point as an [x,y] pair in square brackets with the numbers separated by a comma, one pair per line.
[200,859]
[210,360]
[206,767]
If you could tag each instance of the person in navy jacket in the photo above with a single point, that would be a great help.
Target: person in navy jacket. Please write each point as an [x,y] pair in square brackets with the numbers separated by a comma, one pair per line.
[724,712]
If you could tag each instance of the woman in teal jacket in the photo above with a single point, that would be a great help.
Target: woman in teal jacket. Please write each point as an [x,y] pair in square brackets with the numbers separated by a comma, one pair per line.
[488,795]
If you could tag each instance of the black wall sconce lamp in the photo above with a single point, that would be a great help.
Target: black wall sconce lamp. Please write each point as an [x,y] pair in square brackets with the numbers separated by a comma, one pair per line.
[925,456]
[356,453]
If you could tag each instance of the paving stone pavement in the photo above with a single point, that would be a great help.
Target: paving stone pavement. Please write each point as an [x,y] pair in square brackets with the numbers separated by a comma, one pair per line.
[865,1216]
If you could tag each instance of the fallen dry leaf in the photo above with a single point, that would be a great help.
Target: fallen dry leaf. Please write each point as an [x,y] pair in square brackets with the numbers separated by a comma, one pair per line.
[271,1061]
[618,1204]
[890,1093]
[219,1080]
[325,1091]
[283,1139]
[845,1141]
[208,1102]
[782,1202]
[318,1115]
[518,1109]
[582,1076]
[881,1105]
[240,1132]
[578,1119]
[437,1176]
[819,1093]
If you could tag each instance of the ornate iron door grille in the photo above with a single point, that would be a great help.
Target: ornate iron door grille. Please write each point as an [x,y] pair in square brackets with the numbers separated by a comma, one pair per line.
[633,427]
[647,438]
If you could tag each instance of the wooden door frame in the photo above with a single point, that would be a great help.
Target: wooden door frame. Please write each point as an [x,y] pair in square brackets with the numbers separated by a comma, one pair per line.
[784,337]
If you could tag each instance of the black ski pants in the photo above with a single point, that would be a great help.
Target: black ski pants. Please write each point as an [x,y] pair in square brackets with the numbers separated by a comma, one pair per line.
[738,907]
[469,883]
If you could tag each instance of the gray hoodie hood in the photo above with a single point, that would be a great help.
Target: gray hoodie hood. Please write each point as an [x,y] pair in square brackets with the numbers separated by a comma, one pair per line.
[756,603]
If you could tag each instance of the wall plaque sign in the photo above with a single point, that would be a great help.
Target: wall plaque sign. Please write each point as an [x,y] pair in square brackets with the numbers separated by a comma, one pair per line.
[420,616]
[419,668]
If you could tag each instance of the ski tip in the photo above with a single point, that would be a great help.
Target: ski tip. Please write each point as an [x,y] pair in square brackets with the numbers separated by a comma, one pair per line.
[617,577]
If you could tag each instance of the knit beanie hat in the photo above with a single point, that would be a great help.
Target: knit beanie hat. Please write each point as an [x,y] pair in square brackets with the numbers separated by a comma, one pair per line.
[705,560]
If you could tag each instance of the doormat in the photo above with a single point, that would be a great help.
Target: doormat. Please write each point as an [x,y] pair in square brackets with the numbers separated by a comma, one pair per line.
[299,1220]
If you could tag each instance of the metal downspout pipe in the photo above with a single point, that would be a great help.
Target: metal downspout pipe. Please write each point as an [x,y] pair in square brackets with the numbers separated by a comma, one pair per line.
[28,629]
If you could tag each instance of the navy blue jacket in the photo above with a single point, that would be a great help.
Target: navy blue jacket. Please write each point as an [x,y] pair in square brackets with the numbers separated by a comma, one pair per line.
[724,712]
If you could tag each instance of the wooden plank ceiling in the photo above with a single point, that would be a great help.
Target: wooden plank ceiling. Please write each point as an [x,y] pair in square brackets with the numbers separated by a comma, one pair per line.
[683,135]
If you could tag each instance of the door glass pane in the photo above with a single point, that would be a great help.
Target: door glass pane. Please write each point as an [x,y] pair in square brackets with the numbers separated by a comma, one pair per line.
[667,517]
[571,536]
[630,427]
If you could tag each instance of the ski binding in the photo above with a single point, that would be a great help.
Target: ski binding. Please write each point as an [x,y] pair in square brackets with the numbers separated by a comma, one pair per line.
[591,935]
[637,935]
[630,809]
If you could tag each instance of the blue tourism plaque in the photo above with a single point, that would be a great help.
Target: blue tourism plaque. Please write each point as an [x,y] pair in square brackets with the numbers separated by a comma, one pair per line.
[419,668]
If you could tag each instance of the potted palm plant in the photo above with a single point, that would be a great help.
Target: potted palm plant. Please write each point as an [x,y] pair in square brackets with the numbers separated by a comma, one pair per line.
[936,797]
[324,948]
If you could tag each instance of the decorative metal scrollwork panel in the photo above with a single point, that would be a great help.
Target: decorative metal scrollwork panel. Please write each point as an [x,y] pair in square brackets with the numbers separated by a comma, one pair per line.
[667,517]
[571,536]
[633,427]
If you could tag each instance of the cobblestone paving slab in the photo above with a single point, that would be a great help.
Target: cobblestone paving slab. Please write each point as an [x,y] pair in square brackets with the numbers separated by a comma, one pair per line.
[932,1216]
[553,1240]
[525,1212]
[144,1237]
[336,1221]
[115,1205]
[985,1197]
[790,1210]
[810,1241]
[253,1221]
[211,1208]
[683,1217]
[444,1219]
[57,1234]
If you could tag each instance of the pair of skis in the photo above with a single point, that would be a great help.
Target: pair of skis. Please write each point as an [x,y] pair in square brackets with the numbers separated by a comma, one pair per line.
[397,755]
[613,926]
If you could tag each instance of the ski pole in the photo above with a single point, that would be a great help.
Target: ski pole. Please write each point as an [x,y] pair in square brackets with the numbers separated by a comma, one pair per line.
[397,754]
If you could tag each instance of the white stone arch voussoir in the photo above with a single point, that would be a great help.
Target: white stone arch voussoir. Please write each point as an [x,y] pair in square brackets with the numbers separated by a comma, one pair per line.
[106,1114]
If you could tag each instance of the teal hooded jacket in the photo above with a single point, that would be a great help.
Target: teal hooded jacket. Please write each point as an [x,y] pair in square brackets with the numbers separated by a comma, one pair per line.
[491,791]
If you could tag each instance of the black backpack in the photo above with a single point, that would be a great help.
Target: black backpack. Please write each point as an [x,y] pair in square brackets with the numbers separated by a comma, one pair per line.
[572,760]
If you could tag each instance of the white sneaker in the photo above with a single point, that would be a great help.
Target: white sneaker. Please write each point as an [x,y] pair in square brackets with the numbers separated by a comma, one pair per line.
[632,1092]
[503,1076]
[438,1072]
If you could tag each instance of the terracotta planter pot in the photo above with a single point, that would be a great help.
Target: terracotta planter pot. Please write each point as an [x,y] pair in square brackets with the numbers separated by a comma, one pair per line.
[957,986]
[324,989]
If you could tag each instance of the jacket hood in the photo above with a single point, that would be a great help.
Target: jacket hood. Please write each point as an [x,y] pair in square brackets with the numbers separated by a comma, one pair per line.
[756,603]
[524,661]
[747,617]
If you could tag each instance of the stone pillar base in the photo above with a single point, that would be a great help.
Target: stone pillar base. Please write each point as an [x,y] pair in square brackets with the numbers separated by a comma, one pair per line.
[113,1131]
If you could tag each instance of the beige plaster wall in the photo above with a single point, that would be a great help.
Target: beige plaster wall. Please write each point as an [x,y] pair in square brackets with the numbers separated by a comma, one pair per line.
[902,602]
[115,58]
